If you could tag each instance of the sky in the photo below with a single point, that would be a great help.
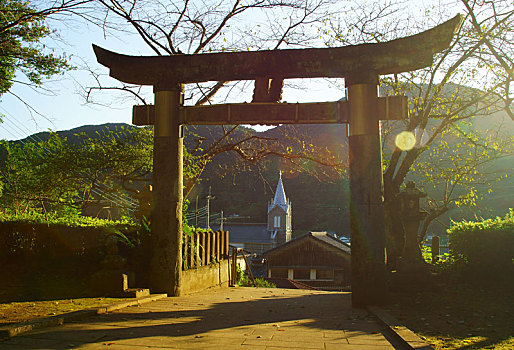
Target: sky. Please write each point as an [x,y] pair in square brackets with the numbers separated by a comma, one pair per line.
[63,105]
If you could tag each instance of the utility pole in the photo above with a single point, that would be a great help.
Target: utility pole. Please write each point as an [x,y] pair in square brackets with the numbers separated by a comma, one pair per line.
[209,197]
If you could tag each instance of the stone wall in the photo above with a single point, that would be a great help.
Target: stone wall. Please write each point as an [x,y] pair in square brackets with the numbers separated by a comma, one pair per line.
[194,280]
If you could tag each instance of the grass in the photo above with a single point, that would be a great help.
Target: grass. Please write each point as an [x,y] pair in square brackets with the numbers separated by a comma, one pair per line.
[459,316]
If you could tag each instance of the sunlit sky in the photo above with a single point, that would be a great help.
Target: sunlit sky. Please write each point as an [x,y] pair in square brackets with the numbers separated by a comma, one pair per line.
[63,105]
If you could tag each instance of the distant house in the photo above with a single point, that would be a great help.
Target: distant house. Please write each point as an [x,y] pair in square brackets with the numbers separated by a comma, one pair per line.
[316,259]
[260,237]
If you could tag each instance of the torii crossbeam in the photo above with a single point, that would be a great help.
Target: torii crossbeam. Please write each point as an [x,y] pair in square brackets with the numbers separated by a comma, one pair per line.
[360,65]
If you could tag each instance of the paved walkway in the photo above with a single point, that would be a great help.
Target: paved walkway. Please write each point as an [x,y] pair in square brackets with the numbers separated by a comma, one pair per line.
[229,318]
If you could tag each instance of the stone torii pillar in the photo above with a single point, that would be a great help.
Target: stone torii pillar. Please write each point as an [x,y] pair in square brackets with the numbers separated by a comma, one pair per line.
[367,229]
[166,217]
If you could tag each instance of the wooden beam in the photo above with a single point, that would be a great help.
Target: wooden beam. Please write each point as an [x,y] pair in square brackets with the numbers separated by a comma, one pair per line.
[389,108]
[396,56]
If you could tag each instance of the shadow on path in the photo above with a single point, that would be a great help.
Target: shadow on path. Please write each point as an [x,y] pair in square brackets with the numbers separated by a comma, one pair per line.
[197,315]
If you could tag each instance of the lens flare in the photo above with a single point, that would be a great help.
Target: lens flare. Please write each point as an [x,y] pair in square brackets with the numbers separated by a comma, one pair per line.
[405,140]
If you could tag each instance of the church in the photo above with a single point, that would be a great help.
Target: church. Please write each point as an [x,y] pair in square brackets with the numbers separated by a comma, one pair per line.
[279,216]
[260,237]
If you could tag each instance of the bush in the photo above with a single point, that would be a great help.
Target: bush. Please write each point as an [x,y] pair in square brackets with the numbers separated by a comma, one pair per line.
[259,283]
[485,247]
[245,281]
[37,239]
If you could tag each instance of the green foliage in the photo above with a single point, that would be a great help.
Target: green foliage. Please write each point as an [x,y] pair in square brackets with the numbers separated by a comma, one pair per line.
[61,175]
[21,32]
[459,165]
[245,281]
[485,247]
[426,253]
[38,172]
[33,239]
[239,273]
[35,217]
[259,283]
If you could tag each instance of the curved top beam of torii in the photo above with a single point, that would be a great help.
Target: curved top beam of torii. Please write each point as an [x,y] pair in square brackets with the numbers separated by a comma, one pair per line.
[396,56]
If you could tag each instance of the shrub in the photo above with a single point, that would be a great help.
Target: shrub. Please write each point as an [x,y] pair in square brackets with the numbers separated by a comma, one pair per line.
[485,247]
[259,283]
[38,239]
[245,281]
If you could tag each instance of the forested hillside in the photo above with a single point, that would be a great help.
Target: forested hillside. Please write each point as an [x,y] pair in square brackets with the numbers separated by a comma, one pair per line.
[319,195]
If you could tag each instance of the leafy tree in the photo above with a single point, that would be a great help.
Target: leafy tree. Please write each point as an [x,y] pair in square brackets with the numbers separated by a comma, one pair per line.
[58,174]
[33,175]
[471,79]
[22,28]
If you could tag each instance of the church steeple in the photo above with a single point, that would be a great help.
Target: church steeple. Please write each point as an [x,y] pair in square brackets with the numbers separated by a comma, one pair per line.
[280,194]
[279,215]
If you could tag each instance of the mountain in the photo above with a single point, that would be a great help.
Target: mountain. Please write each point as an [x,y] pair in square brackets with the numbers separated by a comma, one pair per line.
[243,188]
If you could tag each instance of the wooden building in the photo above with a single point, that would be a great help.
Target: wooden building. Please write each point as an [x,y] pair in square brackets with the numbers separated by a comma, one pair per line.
[316,259]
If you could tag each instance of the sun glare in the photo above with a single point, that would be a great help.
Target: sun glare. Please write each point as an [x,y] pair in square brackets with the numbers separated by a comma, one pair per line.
[405,140]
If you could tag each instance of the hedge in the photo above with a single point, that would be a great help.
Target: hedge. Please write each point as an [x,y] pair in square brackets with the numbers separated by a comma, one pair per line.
[485,246]
[31,240]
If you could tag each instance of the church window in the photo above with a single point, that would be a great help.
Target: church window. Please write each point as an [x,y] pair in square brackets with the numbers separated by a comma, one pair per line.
[276,221]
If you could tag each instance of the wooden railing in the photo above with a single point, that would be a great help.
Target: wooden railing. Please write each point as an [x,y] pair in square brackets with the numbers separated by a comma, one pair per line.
[204,248]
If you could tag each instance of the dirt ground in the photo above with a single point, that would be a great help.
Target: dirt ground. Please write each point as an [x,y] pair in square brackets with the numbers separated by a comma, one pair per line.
[28,294]
[22,311]
[459,316]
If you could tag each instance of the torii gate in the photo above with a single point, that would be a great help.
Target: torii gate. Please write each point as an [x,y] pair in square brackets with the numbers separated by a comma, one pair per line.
[360,65]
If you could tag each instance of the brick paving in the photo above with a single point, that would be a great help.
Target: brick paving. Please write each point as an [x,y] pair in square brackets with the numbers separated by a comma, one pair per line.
[222,318]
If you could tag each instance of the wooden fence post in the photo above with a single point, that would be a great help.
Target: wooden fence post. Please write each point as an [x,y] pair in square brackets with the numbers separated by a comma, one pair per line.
[218,245]
[233,278]
[202,248]
[226,251]
[220,236]
[197,249]
[208,248]
[185,252]
[192,251]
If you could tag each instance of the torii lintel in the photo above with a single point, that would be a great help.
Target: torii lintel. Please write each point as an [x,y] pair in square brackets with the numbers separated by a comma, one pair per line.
[396,56]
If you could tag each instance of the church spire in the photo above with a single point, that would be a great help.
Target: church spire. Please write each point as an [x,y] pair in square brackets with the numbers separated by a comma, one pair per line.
[280,194]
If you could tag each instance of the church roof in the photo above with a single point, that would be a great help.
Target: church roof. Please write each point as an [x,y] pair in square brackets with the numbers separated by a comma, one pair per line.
[246,232]
[280,195]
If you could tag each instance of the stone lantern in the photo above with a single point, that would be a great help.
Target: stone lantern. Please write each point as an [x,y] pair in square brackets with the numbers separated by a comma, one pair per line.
[411,217]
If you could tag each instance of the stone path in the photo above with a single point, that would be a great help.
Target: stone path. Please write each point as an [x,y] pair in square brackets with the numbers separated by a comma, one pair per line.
[228,318]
